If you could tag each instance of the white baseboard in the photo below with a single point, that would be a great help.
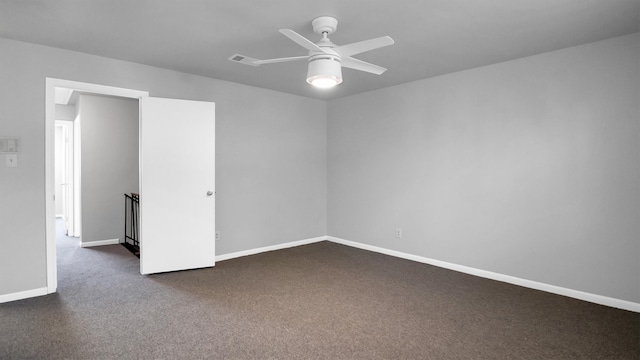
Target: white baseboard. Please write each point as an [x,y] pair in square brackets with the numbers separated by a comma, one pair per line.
[23,295]
[581,295]
[269,248]
[100,243]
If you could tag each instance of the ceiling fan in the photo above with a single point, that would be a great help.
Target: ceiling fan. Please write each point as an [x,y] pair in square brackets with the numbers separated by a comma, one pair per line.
[325,58]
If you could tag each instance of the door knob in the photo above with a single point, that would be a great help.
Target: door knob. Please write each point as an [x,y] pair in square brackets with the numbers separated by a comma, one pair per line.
[209,193]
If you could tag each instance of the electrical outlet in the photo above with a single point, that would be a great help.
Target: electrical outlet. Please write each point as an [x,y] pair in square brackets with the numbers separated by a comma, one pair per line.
[398,233]
[12,160]
[217,235]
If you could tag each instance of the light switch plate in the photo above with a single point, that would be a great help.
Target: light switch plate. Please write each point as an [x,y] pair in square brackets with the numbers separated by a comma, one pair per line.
[9,145]
[12,160]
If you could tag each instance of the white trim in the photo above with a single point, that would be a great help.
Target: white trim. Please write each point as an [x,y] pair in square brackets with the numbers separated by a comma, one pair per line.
[269,248]
[100,243]
[581,295]
[49,167]
[23,295]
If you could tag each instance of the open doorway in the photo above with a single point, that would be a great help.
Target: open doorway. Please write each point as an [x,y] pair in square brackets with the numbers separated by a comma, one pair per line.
[103,164]
[92,176]
[176,172]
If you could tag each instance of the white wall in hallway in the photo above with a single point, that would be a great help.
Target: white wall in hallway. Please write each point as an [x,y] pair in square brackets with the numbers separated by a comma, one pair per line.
[109,164]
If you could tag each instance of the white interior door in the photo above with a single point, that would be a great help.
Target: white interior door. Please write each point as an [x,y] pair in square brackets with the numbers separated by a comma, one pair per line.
[177,185]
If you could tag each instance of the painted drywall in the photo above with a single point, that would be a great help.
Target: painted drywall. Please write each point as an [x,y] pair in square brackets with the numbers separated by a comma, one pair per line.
[528,168]
[65,112]
[109,158]
[270,154]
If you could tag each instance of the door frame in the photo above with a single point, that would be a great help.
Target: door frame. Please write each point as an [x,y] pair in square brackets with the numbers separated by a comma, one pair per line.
[49,171]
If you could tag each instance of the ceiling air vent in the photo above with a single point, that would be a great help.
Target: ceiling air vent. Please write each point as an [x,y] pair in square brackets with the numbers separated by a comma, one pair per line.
[243,59]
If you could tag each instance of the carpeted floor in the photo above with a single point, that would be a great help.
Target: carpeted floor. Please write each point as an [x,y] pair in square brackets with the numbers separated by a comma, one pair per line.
[319,301]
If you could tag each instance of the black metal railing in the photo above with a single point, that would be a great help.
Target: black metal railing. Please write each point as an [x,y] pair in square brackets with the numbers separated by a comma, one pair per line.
[131,217]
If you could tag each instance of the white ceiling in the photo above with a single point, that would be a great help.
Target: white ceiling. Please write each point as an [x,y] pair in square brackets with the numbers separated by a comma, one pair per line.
[433,37]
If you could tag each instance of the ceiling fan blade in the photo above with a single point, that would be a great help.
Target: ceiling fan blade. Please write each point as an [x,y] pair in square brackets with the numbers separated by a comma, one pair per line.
[271,61]
[301,40]
[363,46]
[356,64]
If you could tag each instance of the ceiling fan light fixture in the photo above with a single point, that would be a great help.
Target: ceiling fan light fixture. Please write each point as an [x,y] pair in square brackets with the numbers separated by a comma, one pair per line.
[324,81]
[324,72]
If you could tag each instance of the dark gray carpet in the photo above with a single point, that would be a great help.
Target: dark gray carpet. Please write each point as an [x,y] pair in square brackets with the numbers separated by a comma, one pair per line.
[320,301]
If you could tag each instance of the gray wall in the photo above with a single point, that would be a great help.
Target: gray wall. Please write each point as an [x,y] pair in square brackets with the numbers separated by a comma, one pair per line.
[109,148]
[65,112]
[528,168]
[270,161]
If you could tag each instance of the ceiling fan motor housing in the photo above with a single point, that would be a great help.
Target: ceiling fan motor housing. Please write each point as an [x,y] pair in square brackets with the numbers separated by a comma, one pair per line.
[324,67]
